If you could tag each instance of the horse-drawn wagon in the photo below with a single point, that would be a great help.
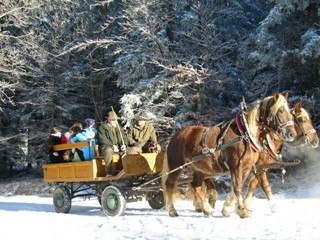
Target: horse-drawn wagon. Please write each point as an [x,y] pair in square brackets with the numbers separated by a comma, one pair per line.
[134,177]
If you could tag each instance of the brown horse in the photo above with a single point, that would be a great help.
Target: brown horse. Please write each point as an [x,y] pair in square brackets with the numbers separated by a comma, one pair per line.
[232,147]
[306,136]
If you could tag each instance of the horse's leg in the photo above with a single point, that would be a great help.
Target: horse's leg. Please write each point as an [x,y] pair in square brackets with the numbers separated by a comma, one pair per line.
[212,193]
[266,187]
[251,187]
[196,200]
[229,204]
[241,210]
[212,196]
[200,201]
[237,184]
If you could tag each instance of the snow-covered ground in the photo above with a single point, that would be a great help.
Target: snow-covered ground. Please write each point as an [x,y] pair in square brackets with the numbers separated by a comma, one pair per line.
[33,217]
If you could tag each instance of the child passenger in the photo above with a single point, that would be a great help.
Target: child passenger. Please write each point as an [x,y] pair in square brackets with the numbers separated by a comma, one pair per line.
[54,138]
[87,134]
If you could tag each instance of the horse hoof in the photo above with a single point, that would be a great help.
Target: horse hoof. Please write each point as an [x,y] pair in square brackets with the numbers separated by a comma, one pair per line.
[208,214]
[212,204]
[173,214]
[198,209]
[243,213]
[225,213]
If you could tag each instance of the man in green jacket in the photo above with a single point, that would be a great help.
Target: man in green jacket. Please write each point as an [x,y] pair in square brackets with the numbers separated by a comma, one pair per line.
[112,139]
[142,135]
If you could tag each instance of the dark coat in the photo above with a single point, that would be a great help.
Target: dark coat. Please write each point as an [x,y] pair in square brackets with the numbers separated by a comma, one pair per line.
[50,142]
[109,136]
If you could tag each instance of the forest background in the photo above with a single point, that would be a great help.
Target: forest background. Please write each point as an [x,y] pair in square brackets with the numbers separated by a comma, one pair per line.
[184,62]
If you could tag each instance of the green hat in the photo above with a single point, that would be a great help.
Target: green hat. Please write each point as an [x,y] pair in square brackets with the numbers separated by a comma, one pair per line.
[142,117]
[112,115]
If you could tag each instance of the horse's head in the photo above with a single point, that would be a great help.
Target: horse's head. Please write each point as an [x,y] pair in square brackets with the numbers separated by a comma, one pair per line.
[306,134]
[276,115]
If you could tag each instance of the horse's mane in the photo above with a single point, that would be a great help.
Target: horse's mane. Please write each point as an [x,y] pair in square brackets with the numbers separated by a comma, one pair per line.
[303,115]
[252,118]
[281,102]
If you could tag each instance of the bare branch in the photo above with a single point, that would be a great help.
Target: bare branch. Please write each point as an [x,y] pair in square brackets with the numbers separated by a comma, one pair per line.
[88,43]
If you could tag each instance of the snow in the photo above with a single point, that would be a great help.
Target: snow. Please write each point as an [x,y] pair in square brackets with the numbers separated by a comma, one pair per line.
[297,216]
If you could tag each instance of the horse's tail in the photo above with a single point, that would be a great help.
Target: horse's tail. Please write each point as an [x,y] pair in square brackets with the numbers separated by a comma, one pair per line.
[165,169]
[165,174]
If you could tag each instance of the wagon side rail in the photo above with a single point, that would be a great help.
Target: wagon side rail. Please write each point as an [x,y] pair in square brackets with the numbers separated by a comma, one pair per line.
[67,146]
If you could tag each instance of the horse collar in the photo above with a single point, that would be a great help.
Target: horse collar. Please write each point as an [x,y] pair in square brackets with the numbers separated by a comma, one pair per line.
[271,148]
[245,133]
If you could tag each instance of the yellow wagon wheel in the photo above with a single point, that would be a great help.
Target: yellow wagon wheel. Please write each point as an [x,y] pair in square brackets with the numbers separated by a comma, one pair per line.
[62,199]
[113,201]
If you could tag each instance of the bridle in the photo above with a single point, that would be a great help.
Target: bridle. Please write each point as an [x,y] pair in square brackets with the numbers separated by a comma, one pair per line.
[281,126]
[273,117]
[305,133]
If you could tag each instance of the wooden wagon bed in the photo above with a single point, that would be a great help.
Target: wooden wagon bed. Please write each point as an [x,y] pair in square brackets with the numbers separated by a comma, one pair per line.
[94,170]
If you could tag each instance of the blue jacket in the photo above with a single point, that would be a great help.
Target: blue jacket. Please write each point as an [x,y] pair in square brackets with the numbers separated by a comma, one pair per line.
[86,135]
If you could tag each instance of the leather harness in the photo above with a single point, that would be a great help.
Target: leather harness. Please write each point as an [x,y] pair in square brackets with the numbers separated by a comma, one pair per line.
[242,125]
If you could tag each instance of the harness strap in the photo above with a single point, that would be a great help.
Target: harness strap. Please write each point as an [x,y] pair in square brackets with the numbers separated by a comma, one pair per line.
[253,163]
[213,150]
[210,151]
[224,133]
[203,140]
[223,153]
[310,131]
[225,160]
[205,148]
